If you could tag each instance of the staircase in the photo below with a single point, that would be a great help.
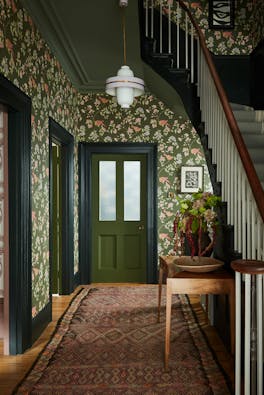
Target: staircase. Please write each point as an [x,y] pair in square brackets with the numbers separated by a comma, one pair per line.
[233,140]
[251,125]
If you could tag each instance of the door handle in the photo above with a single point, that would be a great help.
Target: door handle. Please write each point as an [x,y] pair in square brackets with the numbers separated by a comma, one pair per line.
[141,227]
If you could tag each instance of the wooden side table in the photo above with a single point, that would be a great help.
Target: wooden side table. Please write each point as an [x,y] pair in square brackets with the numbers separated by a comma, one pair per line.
[216,282]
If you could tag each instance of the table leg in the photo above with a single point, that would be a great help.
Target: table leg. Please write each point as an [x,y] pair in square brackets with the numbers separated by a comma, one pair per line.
[168,326]
[160,290]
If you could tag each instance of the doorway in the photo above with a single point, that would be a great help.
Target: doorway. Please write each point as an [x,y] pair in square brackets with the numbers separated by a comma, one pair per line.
[18,106]
[61,210]
[117,245]
[119,218]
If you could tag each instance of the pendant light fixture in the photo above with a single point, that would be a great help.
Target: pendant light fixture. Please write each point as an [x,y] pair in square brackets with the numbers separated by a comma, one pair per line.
[124,86]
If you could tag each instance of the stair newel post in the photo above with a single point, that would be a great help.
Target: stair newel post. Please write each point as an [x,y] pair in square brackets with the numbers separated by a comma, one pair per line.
[253,345]
[252,272]
[260,304]
[238,335]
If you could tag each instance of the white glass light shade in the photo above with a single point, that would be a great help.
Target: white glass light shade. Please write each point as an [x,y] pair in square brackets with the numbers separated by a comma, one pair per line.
[124,86]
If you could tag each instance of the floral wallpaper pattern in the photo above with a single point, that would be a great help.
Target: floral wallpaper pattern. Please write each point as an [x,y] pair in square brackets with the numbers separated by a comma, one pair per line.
[148,120]
[26,60]
[257,22]
[238,41]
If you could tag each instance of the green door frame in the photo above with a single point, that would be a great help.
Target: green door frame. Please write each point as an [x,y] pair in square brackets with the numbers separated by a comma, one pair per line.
[86,150]
[66,141]
[19,173]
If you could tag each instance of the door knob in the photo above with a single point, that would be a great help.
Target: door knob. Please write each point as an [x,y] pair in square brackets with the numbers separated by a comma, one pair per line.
[141,227]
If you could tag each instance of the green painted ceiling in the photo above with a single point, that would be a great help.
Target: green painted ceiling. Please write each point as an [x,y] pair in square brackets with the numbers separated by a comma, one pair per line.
[86,36]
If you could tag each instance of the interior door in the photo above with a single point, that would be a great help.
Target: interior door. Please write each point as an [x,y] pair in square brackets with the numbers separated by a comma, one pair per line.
[119,213]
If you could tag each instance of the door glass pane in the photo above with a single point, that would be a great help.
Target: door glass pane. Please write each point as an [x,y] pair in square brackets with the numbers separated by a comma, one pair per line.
[132,191]
[107,190]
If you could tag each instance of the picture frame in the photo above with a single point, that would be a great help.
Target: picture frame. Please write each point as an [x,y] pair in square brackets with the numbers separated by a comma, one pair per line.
[191,179]
[221,14]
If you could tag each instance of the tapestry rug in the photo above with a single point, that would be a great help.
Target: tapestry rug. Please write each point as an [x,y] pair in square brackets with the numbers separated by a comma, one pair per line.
[109,342]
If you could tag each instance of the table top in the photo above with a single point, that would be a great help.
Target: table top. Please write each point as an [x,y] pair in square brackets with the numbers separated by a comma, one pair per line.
[221,273]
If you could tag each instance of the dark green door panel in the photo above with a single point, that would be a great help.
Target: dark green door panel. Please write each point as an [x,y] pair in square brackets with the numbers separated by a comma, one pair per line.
[119,250]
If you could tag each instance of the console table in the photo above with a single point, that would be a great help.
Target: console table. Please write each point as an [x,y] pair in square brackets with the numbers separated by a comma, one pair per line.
[183,282]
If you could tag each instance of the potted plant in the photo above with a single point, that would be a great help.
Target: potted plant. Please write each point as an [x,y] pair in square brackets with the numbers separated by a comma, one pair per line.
[196,222]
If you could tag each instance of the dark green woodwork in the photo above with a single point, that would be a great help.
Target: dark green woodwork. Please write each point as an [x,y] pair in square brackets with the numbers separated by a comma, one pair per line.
[56,219]
[235,74]
[118,247]
[41,320]
[86,152]
[19,173]
[66,142]
[257,76]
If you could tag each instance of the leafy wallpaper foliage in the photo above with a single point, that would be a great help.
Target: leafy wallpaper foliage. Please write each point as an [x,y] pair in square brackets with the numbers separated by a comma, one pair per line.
[26,60]
[239,41]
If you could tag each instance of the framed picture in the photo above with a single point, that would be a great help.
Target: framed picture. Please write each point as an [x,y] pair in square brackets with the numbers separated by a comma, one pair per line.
[191,178]
[221,14]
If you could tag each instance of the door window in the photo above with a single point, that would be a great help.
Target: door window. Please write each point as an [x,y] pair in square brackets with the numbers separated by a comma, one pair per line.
[132,190]
[107,190]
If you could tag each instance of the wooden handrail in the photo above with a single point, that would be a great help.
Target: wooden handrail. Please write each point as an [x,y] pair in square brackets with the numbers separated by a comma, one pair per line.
[239,141]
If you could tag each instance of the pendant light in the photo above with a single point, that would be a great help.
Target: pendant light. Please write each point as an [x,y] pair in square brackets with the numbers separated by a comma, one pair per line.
[124,86]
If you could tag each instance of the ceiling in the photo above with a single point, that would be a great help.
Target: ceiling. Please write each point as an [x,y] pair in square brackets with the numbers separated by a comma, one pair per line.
[86,37]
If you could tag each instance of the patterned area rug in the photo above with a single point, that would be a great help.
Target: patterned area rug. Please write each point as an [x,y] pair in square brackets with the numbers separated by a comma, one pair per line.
[109,342]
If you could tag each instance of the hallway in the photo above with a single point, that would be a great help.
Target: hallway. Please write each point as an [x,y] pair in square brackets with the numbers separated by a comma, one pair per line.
[14,368]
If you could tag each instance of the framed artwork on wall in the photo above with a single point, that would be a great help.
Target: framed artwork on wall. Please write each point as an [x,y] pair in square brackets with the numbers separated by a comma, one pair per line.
[191,179]
[221,14]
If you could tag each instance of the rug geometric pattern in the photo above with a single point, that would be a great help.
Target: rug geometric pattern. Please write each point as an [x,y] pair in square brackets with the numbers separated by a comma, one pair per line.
[109,343]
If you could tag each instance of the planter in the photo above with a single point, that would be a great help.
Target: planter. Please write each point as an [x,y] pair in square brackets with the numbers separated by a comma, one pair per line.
[198,264]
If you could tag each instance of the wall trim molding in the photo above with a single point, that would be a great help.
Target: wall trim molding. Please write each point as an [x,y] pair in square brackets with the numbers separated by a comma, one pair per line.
[39,322]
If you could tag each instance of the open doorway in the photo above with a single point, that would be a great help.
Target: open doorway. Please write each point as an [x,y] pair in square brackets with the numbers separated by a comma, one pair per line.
[61,209]
[18,287]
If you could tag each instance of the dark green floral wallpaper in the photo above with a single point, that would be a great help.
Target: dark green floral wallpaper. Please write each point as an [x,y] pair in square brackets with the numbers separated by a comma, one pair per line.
[148,120]
[257,28]
[239,41]
[26,60]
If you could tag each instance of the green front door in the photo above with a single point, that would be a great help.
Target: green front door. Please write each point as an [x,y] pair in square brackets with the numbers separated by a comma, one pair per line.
[119,218]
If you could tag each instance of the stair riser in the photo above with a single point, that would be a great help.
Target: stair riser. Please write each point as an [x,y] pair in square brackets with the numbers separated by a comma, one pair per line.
[257,155]
[245,116]
[251,127]
[260,170]
[254,140]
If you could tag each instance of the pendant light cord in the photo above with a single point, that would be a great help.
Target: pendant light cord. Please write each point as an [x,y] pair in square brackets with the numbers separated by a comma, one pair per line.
[124,34]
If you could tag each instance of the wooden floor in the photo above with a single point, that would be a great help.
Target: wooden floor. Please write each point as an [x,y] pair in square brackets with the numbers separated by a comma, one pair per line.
[14,368]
